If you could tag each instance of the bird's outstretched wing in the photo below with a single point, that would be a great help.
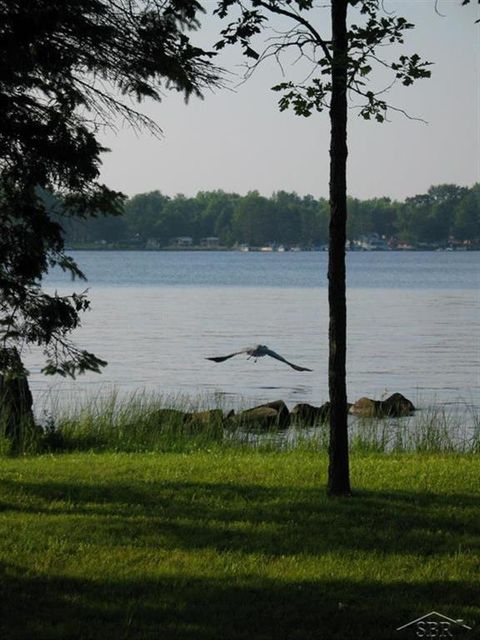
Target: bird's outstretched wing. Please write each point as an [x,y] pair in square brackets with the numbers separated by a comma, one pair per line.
[269,352]
[223,358]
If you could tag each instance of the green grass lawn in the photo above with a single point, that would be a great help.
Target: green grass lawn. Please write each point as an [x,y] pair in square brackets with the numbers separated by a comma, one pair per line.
[234,544]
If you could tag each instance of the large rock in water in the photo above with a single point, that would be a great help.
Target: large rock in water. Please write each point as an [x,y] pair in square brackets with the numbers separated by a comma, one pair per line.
[365,407]
[397,405]
[210,421]
[307,415]
[265,416]
[394,406]
[169,417]
[206,422]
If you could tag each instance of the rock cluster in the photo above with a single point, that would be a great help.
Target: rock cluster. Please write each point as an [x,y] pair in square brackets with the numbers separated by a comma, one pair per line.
[276,415]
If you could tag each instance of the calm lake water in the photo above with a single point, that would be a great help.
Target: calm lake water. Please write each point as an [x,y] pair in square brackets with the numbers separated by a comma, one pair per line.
[413,322]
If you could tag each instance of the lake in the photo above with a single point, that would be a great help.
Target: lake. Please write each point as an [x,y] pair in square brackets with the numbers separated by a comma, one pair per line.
[413,325]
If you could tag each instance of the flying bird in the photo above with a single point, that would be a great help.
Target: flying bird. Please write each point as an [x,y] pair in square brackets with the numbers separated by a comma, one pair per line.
[258,351]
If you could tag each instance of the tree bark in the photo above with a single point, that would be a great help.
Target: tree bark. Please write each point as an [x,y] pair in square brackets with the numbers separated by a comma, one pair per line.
[17,422]
[338,470]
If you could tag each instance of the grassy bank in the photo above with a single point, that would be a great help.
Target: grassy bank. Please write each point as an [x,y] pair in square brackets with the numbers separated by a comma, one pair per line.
[143,422]
[236,544]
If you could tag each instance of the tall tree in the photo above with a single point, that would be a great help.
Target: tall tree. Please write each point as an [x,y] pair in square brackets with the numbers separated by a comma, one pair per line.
[69,68]
[143,213]
[66,68]
[341,62]
[467,215]
[338,469]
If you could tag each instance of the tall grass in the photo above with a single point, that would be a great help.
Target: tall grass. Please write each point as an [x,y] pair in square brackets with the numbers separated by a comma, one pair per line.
[144,422]
[434,429]
[138,422]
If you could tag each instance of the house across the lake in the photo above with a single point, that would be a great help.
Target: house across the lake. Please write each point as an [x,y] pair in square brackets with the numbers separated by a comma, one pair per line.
[371,242]
[210,242]
[182,241]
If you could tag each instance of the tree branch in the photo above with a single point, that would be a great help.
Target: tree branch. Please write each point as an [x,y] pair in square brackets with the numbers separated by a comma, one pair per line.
[294,16]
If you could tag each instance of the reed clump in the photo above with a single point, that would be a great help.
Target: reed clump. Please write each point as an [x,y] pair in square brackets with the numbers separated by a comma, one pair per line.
[139,422]
[434,429]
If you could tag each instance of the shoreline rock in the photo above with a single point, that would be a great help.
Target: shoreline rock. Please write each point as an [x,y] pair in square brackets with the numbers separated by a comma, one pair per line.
[264,416]
[308,415]
[395,406]
[276,415]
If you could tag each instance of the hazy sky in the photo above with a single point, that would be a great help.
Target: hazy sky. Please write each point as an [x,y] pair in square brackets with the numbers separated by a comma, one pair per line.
[239,141]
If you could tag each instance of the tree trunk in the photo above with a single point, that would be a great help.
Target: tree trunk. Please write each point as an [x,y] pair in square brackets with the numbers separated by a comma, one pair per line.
[338,470]
[16,414]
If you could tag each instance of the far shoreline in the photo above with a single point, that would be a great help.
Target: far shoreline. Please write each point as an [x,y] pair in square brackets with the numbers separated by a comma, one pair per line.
[197,249]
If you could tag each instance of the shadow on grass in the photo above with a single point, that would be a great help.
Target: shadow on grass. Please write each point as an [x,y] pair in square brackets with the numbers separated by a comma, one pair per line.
[248,519]
[190,608]
[278,521]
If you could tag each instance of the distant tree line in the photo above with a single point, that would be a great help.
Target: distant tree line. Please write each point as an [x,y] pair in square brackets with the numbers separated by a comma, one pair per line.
[444,213]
